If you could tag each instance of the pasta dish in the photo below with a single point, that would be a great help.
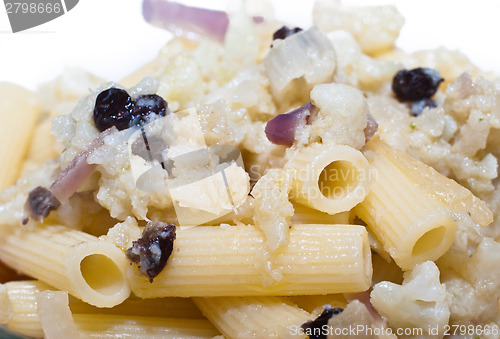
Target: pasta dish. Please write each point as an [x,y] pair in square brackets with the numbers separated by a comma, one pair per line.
[256,180]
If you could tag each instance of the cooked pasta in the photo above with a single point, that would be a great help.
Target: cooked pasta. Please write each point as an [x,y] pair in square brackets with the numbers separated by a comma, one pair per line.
[55,316]
[42,147]
[306,215]
[412,226]
[258,317]
[19,110]
[318,259]
[69,260]
[266,183]
[22,298]
[108,325]
[330,178]
[6,307]
[133,317]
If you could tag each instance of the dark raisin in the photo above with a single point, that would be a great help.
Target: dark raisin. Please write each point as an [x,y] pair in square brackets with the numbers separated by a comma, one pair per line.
[40,203]
[145,105]
[115,107]
[315,328]
[416,84]
[112,108]
[284,32]
[153,249]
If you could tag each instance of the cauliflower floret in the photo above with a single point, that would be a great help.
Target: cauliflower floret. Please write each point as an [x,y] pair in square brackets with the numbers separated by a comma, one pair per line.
[182,82]
[299,62]
[343,114]
[375,28]
[474,290]
[358,69]
[357,317]
[420,302]
[122,234]
[272,209]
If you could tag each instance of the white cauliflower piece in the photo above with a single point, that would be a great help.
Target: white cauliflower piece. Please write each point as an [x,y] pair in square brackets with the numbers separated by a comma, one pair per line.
[272,209]
[360,322]
[358,69]
[343,114]
[420,302]
[375,28]
[474,290]
[248,89]
[124,233]
[182,83]
[217,194]
[306,55]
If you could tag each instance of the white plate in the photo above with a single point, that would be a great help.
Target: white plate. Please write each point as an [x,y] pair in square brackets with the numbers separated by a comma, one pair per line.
[110,39]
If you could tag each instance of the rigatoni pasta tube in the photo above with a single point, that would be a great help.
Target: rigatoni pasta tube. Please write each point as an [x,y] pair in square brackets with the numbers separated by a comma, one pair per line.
[233,261]
[97,323]
[87,267]
[412,226]
[306,215]
[254,317]
[22,296]
[330,178]
[19,111]
[129,326]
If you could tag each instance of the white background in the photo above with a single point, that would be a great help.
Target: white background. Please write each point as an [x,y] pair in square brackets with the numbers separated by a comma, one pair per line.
[110,39]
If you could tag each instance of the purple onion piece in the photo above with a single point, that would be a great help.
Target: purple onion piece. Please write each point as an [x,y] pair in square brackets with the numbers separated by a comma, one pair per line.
[182,19]
[281,129]
[79,170]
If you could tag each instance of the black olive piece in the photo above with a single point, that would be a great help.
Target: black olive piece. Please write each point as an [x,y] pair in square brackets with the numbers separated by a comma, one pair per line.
[315,328]
[284,32]
[144,105]
[112,108]
[416,84]
[153,249]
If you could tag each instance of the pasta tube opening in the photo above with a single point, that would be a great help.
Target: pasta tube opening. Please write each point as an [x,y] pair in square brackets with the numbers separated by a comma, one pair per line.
[89,268]
[338,179]
[100,276]
[92,268]
[412,225]
[429,241]
[331,178]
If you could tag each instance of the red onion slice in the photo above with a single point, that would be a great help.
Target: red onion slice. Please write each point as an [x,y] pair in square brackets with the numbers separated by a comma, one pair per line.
[79,170]
[182,19]
[281,129]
